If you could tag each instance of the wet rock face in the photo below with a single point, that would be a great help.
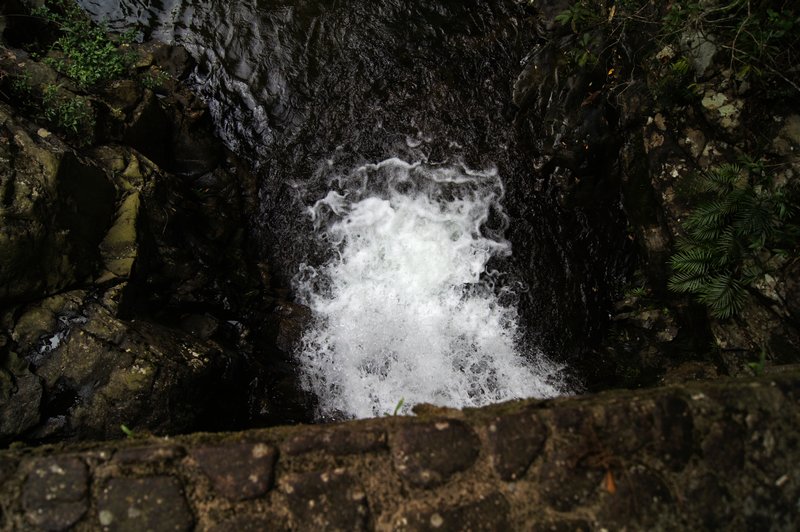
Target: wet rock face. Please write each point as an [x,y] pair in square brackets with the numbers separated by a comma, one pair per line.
[100,372]
[304,111]
[55,209]
[21,396]
[633,128]
[129,294]
[572,142]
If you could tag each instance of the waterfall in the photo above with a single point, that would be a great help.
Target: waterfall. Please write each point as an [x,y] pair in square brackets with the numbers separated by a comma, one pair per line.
[407,306]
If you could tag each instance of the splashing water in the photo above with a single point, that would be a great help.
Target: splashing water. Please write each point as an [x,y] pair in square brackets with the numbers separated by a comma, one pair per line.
[406,308]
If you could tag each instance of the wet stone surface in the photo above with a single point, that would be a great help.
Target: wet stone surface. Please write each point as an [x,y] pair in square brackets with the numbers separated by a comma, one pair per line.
[336,441]
[238,471]
[664,425]
[251,524]
[152,454]
[622,426]
[7,468]
[428,454]
[726,459]
[328,500]
[487,513]
[55,493]
[638,498]
[706,496]
[723,447]
[514,442]
[562,525]
[673,432]
[563,485]
[148,503]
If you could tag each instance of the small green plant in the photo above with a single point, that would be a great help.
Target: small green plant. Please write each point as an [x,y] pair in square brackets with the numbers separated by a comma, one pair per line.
[84,51]
[399,406]
[72,114]
[728,235]
[127,431]
[636,291]
[758,367]
[21,86]
[582,53]
[155,79]
[578,16]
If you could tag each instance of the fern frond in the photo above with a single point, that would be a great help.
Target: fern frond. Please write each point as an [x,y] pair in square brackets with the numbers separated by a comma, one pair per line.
[755,220]
[712,214]
[694,261]
[726,235]
[687,282]
[723,295]
[739,198]
[722,179]
[751,273]
[687,243]
[785,204]
[727,249]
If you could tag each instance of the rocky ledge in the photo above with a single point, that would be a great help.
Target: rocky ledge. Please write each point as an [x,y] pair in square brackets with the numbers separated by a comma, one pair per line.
[129,290]
[693,457]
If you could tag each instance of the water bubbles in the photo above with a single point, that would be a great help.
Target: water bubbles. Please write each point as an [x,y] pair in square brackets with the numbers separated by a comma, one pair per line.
[406,308]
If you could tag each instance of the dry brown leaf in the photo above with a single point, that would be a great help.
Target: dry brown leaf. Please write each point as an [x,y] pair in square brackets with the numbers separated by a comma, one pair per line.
[609,484]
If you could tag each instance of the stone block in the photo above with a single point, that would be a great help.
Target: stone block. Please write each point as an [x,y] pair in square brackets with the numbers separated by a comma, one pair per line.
[514,441]
[638,500]
[339,441]
[486,513]
[140,504]
[673,431]
[55,493]
[149,454]
[428,454]
[238,471]
[251,523]
[724,446]
[564,484]
[561,525]
[329,500]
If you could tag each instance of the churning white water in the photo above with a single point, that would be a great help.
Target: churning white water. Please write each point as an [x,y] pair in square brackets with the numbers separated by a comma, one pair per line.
[406,308]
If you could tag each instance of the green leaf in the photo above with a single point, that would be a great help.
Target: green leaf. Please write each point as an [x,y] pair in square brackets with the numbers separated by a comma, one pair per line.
[724,296]
[687,282]
[564,17]
[723,178]
[694,261]
[399,406]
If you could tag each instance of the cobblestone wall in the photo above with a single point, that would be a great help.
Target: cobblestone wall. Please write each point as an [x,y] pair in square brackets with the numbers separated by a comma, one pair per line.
[701,456]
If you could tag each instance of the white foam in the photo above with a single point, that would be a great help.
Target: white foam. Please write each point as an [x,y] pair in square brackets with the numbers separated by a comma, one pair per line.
[405,308]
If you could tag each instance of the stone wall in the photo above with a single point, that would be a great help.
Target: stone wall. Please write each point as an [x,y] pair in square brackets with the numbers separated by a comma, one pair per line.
[699,456]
